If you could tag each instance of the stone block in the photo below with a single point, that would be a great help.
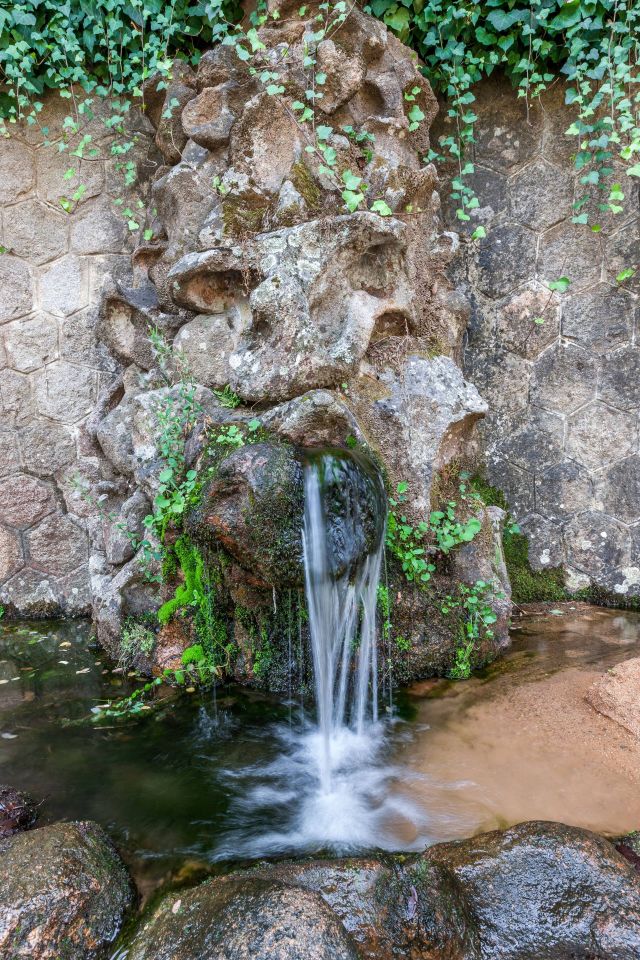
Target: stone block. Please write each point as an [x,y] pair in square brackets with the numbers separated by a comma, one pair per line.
[596,543]
[490,187]
[503,378]
[545,541]
[17,405]
[619,490]
[31,593]
[65,391]
[10,553]
[573,252]
[17,170]
[79,342]
[620,378]
[540,195]
[53,186]
[515,483]
[598,435]
[507,135]
[535,440]
[31,342]
[504,259]
[46,448]
[9,452]
[518,316]
[35,231]
[16,284]
[564,378]
[57,545]
[599,319]
[563,490]
[24,500]
[64,287]
[622,252]
[99,228]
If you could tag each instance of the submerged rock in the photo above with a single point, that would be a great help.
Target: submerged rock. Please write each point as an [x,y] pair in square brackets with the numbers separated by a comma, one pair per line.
[539,890]
[617,695]
[17,811]
[63,893]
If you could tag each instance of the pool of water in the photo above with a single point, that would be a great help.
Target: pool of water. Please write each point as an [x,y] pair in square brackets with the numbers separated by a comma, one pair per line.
[205,780]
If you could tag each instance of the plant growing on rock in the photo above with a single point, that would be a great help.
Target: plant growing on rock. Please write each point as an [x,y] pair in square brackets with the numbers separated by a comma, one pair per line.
[477,617]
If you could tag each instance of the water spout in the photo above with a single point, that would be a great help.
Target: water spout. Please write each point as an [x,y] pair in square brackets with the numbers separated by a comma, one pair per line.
[342,616]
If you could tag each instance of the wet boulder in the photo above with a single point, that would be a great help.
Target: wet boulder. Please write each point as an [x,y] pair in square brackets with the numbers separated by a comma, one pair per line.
[63,893]
[254,508]
[546,890]
[243,920]
[17,811]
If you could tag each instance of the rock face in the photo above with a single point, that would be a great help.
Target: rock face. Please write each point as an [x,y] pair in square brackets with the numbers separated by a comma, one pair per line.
[617,695]
[559,369]
[279,300]
[537,890]
[63,893]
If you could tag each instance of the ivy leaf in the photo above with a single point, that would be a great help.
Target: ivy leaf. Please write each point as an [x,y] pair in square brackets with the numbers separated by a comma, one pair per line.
[625,274]
[323,132]
[479,233]
[274,89]
[352,200]
[634,171]
[382,208]
[562,284]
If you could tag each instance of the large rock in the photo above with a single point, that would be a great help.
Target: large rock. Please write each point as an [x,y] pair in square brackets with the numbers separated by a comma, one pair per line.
[539,890]
[250,920]
[617,695]
[254,508]
[63,893]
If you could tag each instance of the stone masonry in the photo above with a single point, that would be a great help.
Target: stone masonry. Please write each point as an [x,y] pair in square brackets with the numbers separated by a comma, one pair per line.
[51,363]
[564,395]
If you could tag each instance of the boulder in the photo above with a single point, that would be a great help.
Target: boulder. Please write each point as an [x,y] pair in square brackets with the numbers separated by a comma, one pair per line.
[243,920]
[538,890]
[63,893]
[254,508]
[617,695]
[17,811]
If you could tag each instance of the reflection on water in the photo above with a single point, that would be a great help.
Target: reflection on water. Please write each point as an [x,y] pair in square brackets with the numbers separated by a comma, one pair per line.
[203,780]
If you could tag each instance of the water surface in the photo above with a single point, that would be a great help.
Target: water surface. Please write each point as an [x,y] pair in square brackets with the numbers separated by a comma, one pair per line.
[204,781]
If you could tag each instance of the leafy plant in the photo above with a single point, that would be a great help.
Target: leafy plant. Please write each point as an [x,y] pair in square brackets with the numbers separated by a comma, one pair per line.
[228,398]
[477,618]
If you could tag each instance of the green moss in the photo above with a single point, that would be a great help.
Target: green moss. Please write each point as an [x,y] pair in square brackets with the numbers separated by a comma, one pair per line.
[244,215]
[192,565]
[527,585]
[303,180]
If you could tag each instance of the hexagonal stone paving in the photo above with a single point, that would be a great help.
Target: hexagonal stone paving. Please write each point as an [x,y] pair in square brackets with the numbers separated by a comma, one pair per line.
[545,542]
[46,448]
[528,321]
[35,231]
[10,553]
[24,500]
[535,441]
[541,195]
[600,319]
[567,251]
[9,452]
[57,544]
[619,490]
[16,283]
[31,342]
[622,252]
[564,378]
[64,287]
[515,483]
[17,405]
[620,378]
[17,170]
[598,435]
[596,543]
[504,259]
[563,490]
[65,391]
[506,136]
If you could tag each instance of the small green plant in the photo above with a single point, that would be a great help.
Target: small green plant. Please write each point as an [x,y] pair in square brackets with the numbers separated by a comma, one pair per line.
[473,603]
[228,398]
[137,639]
[1,611]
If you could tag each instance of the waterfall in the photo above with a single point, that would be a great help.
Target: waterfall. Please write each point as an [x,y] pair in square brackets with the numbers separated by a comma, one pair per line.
[342,618]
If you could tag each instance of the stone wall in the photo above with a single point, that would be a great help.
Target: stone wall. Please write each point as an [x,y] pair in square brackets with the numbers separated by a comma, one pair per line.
[52,365]
[564,395]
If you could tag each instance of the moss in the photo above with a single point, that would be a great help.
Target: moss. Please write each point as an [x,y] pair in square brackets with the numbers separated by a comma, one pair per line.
[528,585]
[303,180]
[192,566]
[244,214]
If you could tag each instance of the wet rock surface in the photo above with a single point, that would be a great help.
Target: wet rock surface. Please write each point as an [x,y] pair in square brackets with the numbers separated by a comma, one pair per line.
[617,695]
[17,811]
[538,890]
[63,893]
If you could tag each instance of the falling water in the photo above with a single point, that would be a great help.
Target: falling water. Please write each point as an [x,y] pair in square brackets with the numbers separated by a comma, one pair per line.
[340,608]
[329,785]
